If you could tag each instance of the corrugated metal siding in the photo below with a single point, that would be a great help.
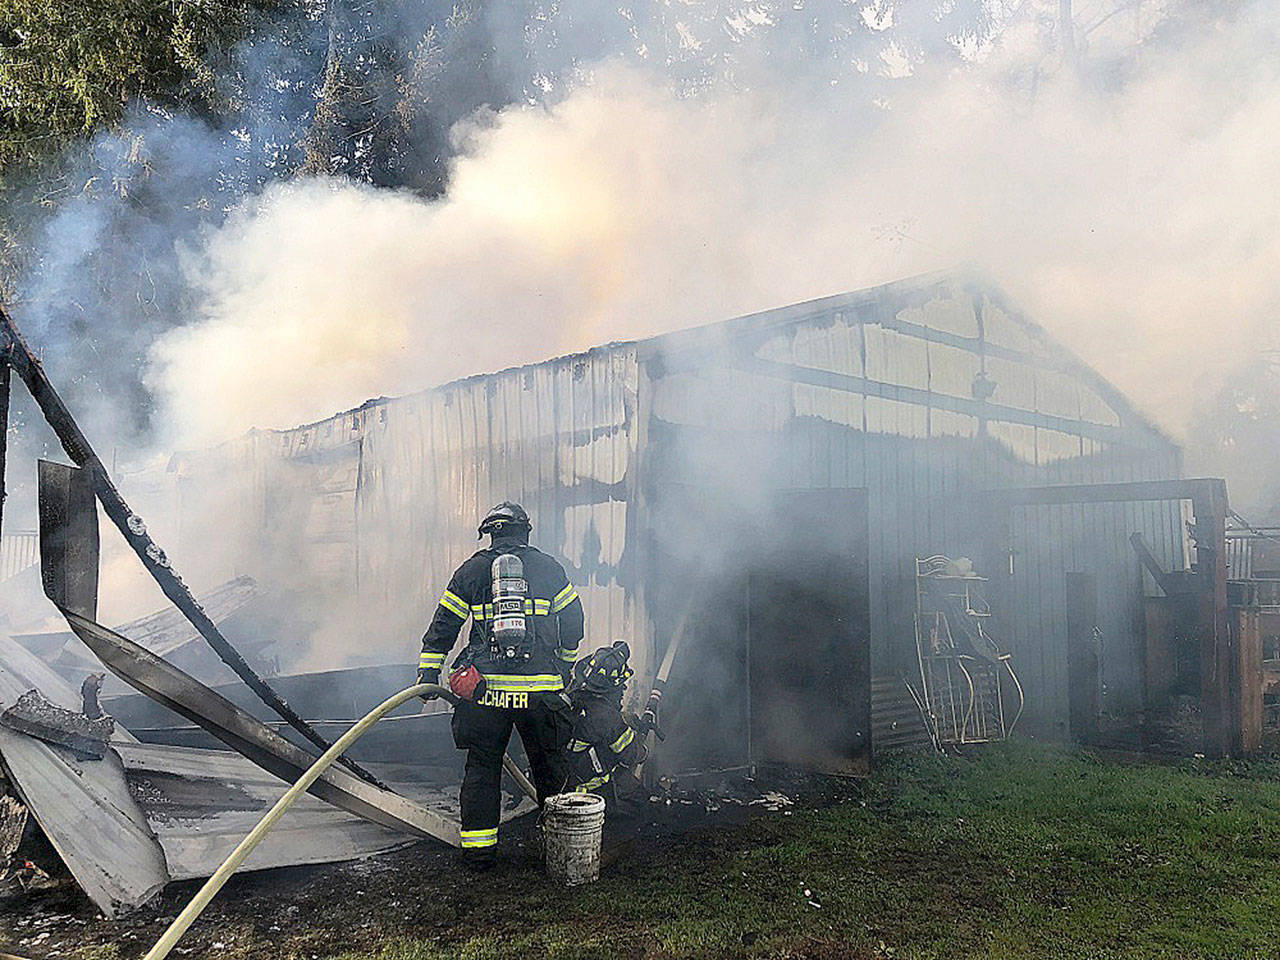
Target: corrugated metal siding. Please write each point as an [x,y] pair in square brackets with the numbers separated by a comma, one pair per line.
[882,399]
[870,390]
[558,437]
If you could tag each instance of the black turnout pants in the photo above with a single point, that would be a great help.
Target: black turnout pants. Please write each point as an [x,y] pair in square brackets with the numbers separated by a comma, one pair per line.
[484,732]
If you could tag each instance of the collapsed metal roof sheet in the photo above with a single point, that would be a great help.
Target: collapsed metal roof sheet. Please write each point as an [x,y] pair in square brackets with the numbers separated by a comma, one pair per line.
[84,806]
[162,632]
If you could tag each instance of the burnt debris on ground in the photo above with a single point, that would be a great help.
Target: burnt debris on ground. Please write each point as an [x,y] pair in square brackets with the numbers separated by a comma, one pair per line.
[416,891]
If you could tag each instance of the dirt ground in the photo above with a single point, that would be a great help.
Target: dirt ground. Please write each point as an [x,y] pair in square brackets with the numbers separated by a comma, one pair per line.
[421,892]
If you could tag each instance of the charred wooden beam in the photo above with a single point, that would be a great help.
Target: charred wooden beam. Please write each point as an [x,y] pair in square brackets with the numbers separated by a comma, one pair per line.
[1152,565]
[4,421]
[13,821]
[131,526]
[34,716]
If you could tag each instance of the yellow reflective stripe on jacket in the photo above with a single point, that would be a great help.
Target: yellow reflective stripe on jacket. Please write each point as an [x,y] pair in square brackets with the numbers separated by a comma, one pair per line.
[621,743]
[564,598]
[479,838]
[568,655]
[453,603]
[523,683]
[431,660]
[532,608]
[578,746]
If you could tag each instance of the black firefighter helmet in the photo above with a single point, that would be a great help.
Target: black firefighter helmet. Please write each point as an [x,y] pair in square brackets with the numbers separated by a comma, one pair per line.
[605,670]
[505,517]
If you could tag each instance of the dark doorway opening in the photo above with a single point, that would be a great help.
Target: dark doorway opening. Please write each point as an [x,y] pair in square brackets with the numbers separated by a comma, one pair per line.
[809,634]
[776,667]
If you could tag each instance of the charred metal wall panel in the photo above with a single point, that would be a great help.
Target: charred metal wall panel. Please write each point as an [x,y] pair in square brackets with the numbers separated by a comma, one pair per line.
[879,392]
[558,437]
[881,389]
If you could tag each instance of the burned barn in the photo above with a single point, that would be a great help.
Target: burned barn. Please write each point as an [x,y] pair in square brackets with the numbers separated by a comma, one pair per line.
[767,487]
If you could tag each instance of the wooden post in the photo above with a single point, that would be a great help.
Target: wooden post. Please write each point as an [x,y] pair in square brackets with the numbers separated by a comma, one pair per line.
[1221,735]
[1246,678]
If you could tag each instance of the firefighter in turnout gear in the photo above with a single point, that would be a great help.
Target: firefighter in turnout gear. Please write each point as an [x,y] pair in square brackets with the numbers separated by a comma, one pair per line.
[526,624]
[604,748]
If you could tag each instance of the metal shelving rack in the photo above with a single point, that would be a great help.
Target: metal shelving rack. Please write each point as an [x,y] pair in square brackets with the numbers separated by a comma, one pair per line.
[965,678]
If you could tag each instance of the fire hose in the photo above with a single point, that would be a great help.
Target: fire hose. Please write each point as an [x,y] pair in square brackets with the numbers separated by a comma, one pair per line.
[269,819]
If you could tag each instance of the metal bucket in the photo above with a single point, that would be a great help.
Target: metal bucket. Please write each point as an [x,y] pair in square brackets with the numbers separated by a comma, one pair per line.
[572,824]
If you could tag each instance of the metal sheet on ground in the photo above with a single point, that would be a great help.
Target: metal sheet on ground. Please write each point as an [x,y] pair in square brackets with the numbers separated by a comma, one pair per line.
[166,684]
[83,807]
[201,803]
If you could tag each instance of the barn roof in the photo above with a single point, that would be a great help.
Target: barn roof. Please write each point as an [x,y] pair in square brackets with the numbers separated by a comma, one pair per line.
[879,305]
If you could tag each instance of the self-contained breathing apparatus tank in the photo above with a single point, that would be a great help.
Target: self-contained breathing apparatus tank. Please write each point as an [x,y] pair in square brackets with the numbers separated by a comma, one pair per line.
[509,636]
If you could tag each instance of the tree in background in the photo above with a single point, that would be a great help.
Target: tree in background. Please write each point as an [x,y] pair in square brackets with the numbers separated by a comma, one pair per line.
[72,67]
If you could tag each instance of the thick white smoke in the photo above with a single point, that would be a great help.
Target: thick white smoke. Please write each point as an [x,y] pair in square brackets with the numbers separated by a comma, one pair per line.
[1140,226]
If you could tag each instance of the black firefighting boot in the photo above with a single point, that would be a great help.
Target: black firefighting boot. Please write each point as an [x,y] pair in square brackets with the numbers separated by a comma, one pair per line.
[479,861]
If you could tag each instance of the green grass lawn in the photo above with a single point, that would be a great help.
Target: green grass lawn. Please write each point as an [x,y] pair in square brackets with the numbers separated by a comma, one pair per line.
[1020,852]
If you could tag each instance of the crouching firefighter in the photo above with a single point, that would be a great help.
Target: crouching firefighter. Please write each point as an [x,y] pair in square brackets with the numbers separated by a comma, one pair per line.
[526,624]
[604,748]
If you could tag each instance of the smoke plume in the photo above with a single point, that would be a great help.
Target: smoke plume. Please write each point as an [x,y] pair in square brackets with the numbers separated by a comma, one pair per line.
[1134,220]
[616,191]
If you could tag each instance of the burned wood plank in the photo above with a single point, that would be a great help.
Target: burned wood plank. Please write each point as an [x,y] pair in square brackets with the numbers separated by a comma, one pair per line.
[35,716]
[83,807]
[13,821]
[68,537]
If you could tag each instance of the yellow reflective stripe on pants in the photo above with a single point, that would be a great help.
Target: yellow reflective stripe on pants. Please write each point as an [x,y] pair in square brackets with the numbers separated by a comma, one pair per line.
[591,784]
[621,743]
[453,603]
[519,683]
[479,838]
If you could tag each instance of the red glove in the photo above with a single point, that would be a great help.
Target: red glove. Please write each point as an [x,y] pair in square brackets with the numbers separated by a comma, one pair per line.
[468,684]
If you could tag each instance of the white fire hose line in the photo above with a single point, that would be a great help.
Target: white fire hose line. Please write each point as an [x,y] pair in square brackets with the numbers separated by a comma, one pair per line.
[269,819]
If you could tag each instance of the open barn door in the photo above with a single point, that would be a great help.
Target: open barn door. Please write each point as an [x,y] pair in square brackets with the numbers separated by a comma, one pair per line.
[809,634]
